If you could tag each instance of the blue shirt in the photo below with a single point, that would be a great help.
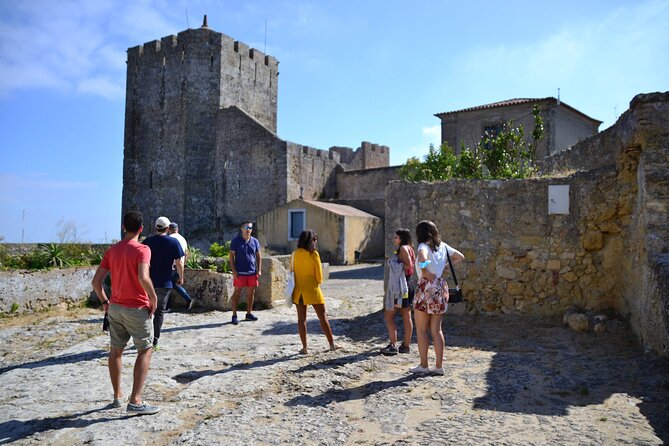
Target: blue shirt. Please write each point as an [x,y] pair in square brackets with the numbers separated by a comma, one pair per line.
[164,251]
[245,255]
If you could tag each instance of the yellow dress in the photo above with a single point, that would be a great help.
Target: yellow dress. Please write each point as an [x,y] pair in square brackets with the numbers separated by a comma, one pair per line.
[308,277]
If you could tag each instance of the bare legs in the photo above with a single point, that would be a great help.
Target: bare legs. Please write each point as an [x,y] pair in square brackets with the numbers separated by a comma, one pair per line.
[115,367]
[302,324]
[322,318]
[325,324]
[250,294]
[408,325]
[389,316]
[437,338]
[427,324]
[139,373]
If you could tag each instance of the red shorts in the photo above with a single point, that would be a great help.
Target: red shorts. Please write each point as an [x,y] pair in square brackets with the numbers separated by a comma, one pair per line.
[245,281]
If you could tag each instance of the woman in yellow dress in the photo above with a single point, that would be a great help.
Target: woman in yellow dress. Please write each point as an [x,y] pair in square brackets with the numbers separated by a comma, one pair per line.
[308,277]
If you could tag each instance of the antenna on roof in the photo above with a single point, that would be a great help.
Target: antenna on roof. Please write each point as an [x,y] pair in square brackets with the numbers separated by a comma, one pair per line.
[558,102]
[187,21]
[265,50]
[204,22]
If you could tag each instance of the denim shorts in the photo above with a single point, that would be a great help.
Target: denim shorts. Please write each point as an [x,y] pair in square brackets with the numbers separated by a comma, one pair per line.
[125,323]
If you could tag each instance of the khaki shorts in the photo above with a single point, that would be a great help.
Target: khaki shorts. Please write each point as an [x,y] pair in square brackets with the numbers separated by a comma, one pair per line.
[126,322]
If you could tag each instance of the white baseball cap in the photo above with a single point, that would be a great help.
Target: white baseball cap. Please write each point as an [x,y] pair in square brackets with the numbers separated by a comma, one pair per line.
[162,222]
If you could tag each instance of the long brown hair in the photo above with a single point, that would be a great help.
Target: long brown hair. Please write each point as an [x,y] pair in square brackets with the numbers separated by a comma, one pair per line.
[427,232]
[405,236]
[307,240]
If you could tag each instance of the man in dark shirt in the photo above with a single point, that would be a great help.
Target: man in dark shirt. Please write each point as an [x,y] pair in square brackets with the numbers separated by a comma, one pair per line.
[246,265]
[165,251]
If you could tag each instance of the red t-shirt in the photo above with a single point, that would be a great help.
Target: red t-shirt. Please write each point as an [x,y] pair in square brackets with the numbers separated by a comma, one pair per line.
[122,260]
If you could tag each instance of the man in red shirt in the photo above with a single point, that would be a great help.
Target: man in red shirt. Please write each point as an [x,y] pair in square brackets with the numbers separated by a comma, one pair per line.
[130,309]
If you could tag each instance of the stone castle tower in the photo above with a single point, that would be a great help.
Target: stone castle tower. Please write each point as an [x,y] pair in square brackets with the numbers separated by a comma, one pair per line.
[200,141]
[175,89]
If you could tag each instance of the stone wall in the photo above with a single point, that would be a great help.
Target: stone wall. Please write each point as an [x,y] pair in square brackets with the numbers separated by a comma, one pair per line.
[364,189]
[28,291]
[609,252]
[519,258]
[310,172]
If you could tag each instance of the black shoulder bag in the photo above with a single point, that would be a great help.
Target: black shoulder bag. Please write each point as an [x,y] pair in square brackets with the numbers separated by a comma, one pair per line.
[454,294]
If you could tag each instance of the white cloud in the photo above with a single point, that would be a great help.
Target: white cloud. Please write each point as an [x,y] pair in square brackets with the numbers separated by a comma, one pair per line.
[102,87]
[73,46]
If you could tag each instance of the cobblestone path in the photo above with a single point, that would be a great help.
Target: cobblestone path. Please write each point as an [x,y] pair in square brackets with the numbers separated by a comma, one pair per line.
[509,380]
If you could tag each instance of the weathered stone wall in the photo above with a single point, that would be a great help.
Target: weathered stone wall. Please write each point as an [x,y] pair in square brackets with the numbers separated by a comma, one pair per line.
[608,253]
[28,291]
[249,169]
[310,173]
[519,258]
[364,189]
[31,291]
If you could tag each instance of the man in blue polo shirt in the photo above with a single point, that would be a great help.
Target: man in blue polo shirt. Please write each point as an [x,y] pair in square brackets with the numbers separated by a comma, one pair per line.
[246,265]
[165,252]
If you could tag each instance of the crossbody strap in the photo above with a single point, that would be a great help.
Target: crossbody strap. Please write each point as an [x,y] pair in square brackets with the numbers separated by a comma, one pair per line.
[455,278]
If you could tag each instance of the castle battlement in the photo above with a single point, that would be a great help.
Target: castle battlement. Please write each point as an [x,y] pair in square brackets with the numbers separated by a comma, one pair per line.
[174,44]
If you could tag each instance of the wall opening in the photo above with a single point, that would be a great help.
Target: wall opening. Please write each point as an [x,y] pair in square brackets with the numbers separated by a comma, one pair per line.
[297,222]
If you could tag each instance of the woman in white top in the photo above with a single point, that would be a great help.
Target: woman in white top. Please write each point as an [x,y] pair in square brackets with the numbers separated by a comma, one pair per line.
[431,298]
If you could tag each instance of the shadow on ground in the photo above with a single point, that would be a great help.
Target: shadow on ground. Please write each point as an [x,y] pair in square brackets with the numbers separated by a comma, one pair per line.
[193,375]
[542,368]
[372,272]
[14,430]
[58,360]
[354,393]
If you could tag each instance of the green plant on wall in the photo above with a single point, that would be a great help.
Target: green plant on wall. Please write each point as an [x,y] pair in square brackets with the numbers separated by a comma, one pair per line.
[193,258]
[501,153]
[54,254]
[217,250]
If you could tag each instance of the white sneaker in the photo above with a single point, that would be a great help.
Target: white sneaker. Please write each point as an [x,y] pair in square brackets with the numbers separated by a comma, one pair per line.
[419,369]
[191,304]
[437,371]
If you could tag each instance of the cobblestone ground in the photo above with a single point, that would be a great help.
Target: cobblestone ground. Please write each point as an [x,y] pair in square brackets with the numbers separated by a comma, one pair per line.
[509,380]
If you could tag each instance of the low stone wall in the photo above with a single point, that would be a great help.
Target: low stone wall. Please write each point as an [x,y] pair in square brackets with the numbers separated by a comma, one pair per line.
[27,291]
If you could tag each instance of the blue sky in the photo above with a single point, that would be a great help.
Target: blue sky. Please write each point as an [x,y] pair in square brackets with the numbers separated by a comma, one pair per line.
[372,70]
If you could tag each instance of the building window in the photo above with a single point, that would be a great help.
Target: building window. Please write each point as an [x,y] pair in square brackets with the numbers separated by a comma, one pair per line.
[297,222]
[491,131]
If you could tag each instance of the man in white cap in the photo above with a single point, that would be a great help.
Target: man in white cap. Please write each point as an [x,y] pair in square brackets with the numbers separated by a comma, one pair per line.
[165,252]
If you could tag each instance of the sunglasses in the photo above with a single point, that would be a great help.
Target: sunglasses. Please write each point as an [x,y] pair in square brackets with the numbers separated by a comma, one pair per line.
[247,227]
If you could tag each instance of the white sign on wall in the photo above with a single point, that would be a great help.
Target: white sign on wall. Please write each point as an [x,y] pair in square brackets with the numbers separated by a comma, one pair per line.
[558,199]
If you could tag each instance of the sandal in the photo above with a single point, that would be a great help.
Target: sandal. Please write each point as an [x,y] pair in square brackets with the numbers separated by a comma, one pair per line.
[335,347]
[303,351]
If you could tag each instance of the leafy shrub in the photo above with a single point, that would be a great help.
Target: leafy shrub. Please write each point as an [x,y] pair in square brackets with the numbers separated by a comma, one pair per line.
[216,250]
[193,258]
[54,254]
[499,154]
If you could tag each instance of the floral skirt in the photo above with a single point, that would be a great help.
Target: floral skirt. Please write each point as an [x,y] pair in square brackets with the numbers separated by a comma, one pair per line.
[431,296]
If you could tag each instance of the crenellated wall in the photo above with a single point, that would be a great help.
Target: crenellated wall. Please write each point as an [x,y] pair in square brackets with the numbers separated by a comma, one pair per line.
[311,172]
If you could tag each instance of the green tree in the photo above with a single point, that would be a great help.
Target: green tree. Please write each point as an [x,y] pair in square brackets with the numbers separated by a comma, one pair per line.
[498,155]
